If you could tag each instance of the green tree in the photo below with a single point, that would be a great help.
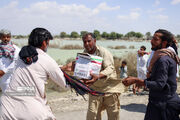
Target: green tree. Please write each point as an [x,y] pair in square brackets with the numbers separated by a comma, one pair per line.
[119,36]
[97,34]
[130,34]
[113,35]
[83,33]
[178,36]
[74,34]
[63,35]
[148,35]
[105,35]
[139,35]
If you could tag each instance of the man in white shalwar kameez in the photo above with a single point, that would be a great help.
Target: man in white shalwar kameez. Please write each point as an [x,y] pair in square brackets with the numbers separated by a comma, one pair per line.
[8,56]
[142,59]
[25,97]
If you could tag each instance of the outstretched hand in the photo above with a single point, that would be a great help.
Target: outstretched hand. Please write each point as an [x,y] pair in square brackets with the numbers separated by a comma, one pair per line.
[129,81]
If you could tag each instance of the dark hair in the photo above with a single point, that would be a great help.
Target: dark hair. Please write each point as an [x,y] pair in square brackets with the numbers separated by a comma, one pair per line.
[38,35]
[91,34]
[124,62]
[166,36]
[28,53]
[169,37]
[143,47]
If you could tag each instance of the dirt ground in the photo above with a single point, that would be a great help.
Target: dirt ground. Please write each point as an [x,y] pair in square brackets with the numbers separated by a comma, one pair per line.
[69,106]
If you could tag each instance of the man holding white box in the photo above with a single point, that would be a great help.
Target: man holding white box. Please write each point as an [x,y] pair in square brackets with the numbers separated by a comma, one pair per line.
[106,81]
[102,83]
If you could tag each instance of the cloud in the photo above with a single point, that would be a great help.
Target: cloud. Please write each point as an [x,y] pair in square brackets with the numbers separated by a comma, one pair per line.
[157,2]
[136,9]
[105,7]
[53,16]
[174,2]
[160,18]
[131,17]
[156,11]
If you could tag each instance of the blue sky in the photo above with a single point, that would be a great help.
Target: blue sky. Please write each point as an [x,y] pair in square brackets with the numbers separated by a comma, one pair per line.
[122,16]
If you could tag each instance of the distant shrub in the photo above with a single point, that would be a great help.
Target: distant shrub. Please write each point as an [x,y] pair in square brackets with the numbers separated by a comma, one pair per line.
[51,45]
[118,47]
[71,47]
[111,47]
[131,47]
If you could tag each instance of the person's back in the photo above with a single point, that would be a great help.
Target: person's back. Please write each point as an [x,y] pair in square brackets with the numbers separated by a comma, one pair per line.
[27,87]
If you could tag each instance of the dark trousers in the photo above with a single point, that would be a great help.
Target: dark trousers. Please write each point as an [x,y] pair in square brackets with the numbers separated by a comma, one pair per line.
[161,111]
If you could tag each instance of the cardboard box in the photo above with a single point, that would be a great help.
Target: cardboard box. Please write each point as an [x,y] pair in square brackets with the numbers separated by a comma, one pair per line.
[86,64]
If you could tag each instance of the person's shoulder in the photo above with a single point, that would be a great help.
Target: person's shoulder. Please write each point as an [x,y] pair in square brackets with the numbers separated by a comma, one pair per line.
[45,57]
[166,59]
[102,49]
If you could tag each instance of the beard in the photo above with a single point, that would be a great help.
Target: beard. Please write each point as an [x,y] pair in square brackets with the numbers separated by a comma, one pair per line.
[157,47]
[45,50]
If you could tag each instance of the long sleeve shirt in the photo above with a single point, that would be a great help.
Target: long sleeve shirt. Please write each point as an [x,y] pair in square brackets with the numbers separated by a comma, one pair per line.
[25,97]
[162,82]
[7,66]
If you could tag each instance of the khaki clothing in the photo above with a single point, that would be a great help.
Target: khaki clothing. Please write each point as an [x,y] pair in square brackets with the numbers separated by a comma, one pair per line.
[97,104]
[110,85]
[25,98]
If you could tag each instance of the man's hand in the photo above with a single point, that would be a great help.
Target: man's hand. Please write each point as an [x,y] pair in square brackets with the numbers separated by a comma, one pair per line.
[94,79]
[1,73]
[129,81]
[68,67]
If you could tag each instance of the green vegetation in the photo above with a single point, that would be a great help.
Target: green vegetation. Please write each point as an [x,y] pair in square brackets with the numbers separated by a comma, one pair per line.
[107,36]
[70,47]
[132,35]
[117,47]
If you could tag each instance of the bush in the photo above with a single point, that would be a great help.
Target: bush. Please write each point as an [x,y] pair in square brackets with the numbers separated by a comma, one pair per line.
[131,47]
[117,47]
[54,46]
[71,47]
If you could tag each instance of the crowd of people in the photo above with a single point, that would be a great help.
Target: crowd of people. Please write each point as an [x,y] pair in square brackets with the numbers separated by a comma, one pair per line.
[24,72]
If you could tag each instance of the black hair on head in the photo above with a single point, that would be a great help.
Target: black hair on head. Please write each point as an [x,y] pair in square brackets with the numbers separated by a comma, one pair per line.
[166,36]
[124,62]
[91,34]
[143,47]
[38,35]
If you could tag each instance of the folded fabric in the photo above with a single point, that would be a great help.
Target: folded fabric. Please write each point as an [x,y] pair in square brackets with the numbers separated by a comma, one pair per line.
[80,87]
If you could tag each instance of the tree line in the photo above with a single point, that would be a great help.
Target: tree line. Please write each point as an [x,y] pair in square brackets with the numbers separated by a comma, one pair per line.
[103,35]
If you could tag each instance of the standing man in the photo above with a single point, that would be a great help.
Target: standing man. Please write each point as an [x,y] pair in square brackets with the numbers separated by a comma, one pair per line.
[164,103]
[25,98]
[105,82]
[8,56]
[142,59]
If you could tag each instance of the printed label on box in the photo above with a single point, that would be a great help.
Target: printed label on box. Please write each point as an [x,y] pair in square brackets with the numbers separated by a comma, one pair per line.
[86,64]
